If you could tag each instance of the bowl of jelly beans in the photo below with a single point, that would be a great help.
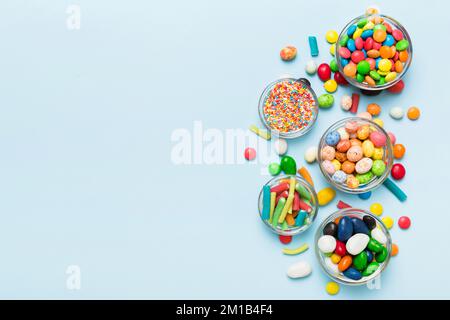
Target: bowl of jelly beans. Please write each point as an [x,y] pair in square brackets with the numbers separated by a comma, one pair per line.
[355,155]
[374,52]
[288,107]
[288,205]
[353,246]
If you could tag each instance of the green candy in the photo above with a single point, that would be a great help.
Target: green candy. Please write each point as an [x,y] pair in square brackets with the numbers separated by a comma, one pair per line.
[333,65]
[360,261]
[363,67]
[277,212]
[378,167]
[379,26]
[362,23]
[303,192]
[326,100]
[284,226]
[364,177]
[359,77]
[381,81]
[288,165]
[344,40]
[381,256]
[274,169]
[402,45]
[374,245]
[371,268]
[374,75]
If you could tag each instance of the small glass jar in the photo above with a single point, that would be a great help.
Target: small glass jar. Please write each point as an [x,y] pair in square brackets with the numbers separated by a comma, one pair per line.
[297,127]
[364,85]
[322,258]
[311,216]
[387,158]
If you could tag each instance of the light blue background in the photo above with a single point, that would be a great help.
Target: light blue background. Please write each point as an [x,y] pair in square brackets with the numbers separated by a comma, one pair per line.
[86,176]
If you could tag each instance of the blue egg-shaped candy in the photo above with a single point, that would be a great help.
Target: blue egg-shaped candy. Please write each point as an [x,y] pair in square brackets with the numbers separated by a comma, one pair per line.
[365,53]
[365,195]
[359,226]
[351,45]
[351,30]
[353,274]
[332,138]
[377,60]
[339,176]
[345,229]
[389,41]
[344,62]
[369,256]
[366,34]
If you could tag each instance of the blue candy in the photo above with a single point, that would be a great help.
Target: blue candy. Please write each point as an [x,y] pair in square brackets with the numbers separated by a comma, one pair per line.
[377,60]
[351,45]
[389,41]
[365,53]
[344,62]
[366,34]
[300,220]
[266,202]
[365,195]
[359,226]
[351,30]
[313,46]
[369,256]
[332,138]
[353,274]
[345,229]
[339,176]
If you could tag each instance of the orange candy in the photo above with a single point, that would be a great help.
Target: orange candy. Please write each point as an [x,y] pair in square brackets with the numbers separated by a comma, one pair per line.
[373,53]
[413,113]
[350,70]
[399,151]
[379,35]
[369,81]
[385,52]
[393,51]
[374,109]
[398,66]
[394,250]
[290,220]
[403,56]
[345,263]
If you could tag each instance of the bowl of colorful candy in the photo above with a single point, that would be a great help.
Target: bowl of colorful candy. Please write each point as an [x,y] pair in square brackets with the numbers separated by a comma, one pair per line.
[288,205]
[288,107]
[353,246]
[355,155]
[374,52]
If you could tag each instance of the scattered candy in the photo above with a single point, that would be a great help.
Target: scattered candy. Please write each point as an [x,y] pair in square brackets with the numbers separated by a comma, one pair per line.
[325,196]
[343,205]
[388,222]
[299,270]
[399,151]
[340,79]
[346,102]
[311,67]
[404,222]
[398,171]
[333,49]
[376,209]
[285,239]
[249,153]
[374,109]
[288,165]
[396,191]
[306,175]
[332,288]
[397,88]
[314,49]
[274,169]
[355,103]
[326,100]
[296,251]
[311,154]
[413,113]
[330,86]
[288,53]
[324,72]
[396,113]
[260,132]
[365,195]
[394,250]
[331,36]
[280,146]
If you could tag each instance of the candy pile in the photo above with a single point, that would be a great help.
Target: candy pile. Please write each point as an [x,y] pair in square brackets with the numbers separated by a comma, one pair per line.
[354,154]
[373,51]
[353,247]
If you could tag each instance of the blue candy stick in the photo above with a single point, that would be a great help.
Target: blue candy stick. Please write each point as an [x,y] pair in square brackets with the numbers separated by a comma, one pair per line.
[266,203]
[392,187]
[313,46]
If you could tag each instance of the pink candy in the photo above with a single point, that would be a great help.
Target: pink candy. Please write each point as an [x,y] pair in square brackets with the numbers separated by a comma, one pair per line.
[344,53]
[357,56]
[378,139]
[392,137]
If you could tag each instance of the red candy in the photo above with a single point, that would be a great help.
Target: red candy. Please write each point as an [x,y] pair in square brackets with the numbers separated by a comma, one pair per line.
[368,45]
[376,45]
[359,43]
[398,171]
[344,52]
[304,206]
[397,88]
[250,154]
[283,194]
[340,248]
[404,222]
[324,72]
[357,56]
[343,205]
[280,187]
[285,239]
[355,103]
[397,34]
[340,79]
[372,63]
[296,204]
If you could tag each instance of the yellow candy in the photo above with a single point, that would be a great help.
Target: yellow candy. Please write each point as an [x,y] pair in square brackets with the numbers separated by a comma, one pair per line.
[332,288]
[391,76]
[385,65]
[363,132]
[333,49]
[388,222]
[357,33]
[325,196]
[383,73]
[368,148]
[378,154]
[352,182]
[286,208]
[372,10]
[376,209]
[369,26]
[332,36]
[299,250]
[335,258]
[379,122]
[336,164]
[330,85]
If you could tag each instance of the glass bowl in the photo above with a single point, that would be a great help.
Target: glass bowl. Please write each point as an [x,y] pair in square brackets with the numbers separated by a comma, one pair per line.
[331,269]
[395,26]
[364,186]
[298,227]
[288,121]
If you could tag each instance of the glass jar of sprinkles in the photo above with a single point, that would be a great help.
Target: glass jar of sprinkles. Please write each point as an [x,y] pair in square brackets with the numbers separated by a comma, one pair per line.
[288,107]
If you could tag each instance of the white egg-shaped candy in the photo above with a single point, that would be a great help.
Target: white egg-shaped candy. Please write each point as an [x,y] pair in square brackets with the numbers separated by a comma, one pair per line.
[299,270]
[326,244]
[311,67]
[332,267]
[357,243]
[311,154]
[280,146]
[379,235]
[396,113]
[346,102]
[343,133]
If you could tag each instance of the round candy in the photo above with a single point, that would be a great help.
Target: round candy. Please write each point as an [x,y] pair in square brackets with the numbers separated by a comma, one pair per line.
[326,244]
[249,154]
[365,195]
[378,139]
[396,113]
[328,153]
[363,165]
[288,53]
[285,239]
[398,87]
[280,146]
[379,122]
[363,67]
[376,209]
[331,36]
[325,100]
[350,70]
[274,169]
[311,67]
[413,113]
[332,138]
[339,176]
[311,154]
[346,102]
[378,168]
[394,250]
[332,288]
[374,109]
[404,222]
[354,154]
[348,167]
[330,85]
[334,66]
[399,151]
[324,72]
[340,79]
[398,171]
[335,258]
[288,165]
[388,222]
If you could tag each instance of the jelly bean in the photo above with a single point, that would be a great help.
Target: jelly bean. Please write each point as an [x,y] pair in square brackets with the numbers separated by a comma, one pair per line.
[350,70]
[399,151]
[365,35]
[333,66]
[363,165]
[360,261]
[368,148]
[363,67]
[404,222]
[274,169]
[388,222]
[369,256]
[357,243]
[357,33]
[332,288]
[331,36]
[314,49]
[345,229]
[340,248]
[378,235]
[330,229]
[351,30]
[326,100]
[330,85]
[340,79]
[378,139]
[341,156]
[352,182]
[325,196]
[335,258]
[398,171]
[359,43]
[332,138]
[394,250]
[402,45]
[326,244]
[368,44]
[365,195]
[397,34]
[359,226]
[311,154]
[339,177]
[343,146]
[344,40]
[344,52]
[354,154]
[299,270]
[328,153]
[285,239]
[288,165]
[364,178]
[311,67]
[392,137]
[396,113]
[288,53]
[382,255]
[324,72]
[249,154]
[376,209]
[374,246]
[280,146]
[345,263]
[353,274]
[413,113]
[370,222]
[371,268]
[377,154]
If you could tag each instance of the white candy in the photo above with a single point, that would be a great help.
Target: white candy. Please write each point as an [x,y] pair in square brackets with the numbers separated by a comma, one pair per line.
[379,235]
[343,133]
[280,146]
[311,154]
[396,113]
[326,244]
[346,102]
[299,270]
[357,243]
[331,266]
[311,67]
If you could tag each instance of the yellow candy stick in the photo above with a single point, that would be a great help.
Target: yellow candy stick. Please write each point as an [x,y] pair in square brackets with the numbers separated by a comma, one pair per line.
[292,184]
[273,197]
[262,133]
[286,208]
[299,250]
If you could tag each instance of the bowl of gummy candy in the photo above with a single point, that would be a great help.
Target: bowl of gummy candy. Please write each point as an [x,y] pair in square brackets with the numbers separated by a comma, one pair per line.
[355,155]
[374,52]
[288,205]
[288,107]
[353,246]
